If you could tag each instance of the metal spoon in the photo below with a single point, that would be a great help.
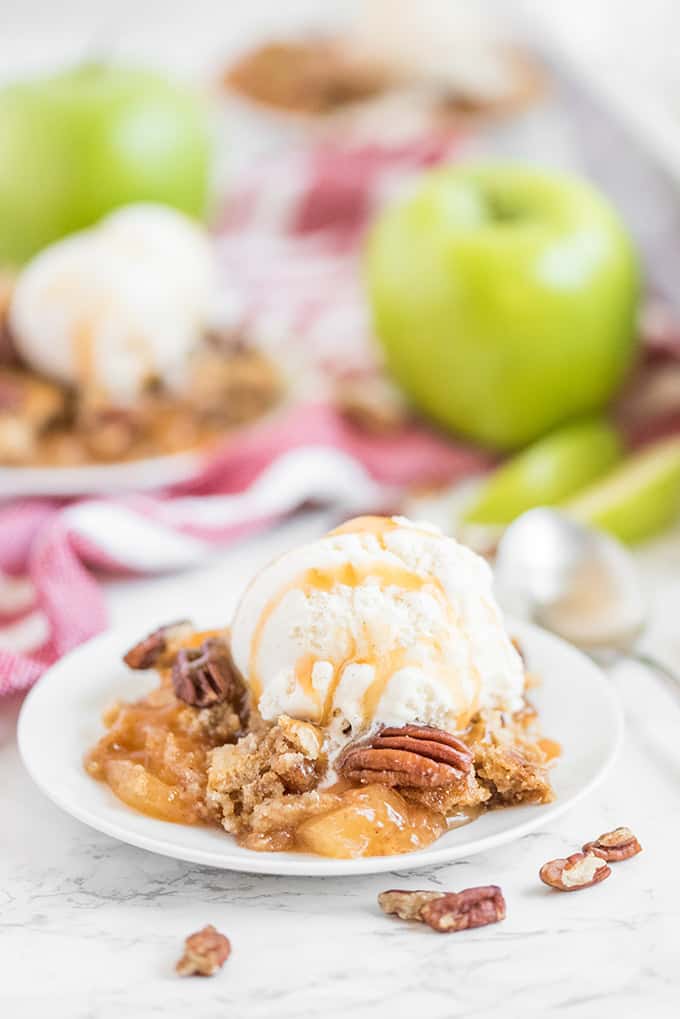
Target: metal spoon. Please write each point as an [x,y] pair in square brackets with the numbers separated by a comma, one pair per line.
[577,582]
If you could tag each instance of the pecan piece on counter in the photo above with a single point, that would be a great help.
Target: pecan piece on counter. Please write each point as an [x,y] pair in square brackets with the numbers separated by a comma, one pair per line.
[460,911]
[580,870]
[206,675]
[205,952]
[420,756]
[614,846]
[447,911]
[148,652]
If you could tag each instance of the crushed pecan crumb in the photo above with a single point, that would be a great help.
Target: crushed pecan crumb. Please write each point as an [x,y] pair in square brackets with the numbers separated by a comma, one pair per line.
[205,952]
[580,870]
[614,846]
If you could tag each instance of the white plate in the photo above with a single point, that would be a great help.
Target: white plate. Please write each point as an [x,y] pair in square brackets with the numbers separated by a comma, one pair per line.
[61,719]
[130,475]
[99,479]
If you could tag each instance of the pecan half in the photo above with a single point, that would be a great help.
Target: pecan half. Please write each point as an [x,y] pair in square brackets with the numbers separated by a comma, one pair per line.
[148,652]
[614,846]
[205,952]
[447,912]
[421,756]
[459,911]
[580,870]
[206,675]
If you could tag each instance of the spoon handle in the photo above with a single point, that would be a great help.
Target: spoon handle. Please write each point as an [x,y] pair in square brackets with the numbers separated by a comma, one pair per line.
[671,678]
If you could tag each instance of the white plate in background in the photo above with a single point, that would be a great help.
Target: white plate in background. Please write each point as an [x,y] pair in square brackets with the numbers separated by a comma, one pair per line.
[130,475]
[99,479]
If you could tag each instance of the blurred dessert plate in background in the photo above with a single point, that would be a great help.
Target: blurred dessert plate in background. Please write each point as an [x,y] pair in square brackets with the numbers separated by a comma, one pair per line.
[396,70]
[119,351]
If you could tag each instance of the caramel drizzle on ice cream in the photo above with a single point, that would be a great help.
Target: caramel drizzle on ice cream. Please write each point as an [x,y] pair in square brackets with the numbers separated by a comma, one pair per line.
[377,526]
[385,665]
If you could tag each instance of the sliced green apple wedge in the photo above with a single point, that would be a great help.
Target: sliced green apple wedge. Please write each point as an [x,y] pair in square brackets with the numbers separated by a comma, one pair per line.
[639,498]
[547,472]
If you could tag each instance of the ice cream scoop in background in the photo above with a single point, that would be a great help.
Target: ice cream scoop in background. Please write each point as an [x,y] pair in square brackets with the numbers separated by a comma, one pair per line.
[383,621]
[118,305]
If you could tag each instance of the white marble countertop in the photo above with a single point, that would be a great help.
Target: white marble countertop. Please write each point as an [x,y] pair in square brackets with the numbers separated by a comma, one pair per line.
[91,928]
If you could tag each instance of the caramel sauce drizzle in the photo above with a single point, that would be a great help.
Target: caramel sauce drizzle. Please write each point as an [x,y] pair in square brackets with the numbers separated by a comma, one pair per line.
[83,351]
[377,526]
[83,340]
[551,749]
[384,665]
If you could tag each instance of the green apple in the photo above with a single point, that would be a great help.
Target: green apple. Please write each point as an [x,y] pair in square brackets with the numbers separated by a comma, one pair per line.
[76,145]
[547,472]
[639,498]
[505,299]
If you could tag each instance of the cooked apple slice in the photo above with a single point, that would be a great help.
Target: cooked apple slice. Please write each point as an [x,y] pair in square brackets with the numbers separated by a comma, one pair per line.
[372,821]
[137,787]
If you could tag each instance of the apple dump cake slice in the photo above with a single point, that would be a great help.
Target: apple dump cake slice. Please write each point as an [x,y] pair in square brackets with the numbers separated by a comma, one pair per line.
[366,699]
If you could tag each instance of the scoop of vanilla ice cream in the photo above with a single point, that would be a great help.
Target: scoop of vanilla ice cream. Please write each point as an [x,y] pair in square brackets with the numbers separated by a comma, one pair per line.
[383,621]
[119,304]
